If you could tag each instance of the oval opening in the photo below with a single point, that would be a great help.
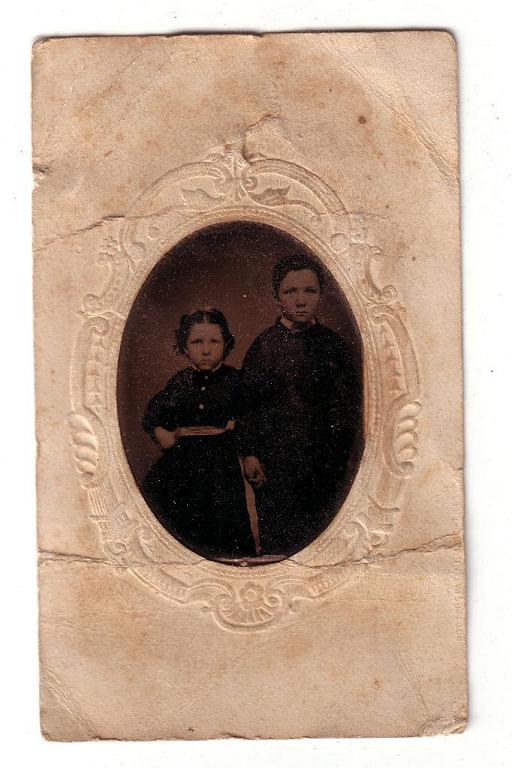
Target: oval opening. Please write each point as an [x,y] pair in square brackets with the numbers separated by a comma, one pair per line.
[285,404]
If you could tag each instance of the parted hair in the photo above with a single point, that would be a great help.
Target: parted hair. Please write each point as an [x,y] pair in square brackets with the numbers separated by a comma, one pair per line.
[203,315]
[295,263]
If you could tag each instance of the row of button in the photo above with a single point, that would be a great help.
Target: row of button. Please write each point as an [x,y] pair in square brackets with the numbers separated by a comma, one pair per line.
[203,389]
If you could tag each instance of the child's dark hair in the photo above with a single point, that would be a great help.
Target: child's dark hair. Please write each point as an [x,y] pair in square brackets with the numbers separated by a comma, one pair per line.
[295,263]
[207,315]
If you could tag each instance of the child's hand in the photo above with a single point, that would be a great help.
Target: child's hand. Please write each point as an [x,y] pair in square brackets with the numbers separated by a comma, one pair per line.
[164,438]
[253,471]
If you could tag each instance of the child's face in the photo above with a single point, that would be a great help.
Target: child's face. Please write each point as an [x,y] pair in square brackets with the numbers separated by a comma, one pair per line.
[205,346]
[299,294]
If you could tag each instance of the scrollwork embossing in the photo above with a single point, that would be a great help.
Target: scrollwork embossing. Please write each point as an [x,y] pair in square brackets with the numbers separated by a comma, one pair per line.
[228,186]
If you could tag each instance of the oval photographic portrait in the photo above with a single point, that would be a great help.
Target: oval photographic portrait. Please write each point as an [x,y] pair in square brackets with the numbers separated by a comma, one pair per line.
[240,394]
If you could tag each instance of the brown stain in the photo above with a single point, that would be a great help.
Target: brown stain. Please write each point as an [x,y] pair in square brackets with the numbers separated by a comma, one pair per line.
[310,90]
[110,626]
[228,86]
[324,89]
[297,646]
[85,533]
[362,119]
[377,684]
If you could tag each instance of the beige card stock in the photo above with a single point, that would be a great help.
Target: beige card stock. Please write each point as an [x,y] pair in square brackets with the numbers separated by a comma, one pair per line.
[174,174]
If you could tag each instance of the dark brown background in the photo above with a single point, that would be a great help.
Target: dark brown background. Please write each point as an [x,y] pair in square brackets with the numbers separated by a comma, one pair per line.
[227,266]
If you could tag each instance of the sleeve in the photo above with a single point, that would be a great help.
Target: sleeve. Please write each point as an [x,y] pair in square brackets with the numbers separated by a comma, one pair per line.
[161,411]
[251,401]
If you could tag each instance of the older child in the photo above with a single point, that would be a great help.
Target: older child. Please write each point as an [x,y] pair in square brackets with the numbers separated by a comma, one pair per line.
[301,414]
[196,488]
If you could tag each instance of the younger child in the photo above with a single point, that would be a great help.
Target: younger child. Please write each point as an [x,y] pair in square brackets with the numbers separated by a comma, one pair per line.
[196,489]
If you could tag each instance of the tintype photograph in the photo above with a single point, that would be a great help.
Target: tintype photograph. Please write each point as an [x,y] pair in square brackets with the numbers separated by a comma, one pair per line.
[248,386]
[240,393]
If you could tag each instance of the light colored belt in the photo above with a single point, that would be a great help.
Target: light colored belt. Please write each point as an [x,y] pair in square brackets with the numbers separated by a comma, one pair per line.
[202,431]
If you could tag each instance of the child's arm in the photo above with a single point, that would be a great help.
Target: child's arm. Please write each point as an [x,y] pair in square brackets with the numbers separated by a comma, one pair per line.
[159,420]
[253,471]
[164,437]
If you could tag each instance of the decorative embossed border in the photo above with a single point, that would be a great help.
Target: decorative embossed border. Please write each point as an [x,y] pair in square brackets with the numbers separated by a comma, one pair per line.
[227,186]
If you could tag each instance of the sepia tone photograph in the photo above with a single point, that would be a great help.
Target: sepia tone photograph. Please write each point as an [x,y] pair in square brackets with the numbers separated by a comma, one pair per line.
[240,394]
[248,383]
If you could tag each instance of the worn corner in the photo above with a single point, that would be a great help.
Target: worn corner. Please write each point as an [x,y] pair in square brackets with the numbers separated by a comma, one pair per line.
[42,44]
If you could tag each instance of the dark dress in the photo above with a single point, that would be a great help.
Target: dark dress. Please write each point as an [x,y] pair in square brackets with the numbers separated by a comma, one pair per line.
[301,417]
[196,489]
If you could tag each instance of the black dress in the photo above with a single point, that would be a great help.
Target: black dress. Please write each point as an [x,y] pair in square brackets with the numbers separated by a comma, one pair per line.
[196,488]
[302,418]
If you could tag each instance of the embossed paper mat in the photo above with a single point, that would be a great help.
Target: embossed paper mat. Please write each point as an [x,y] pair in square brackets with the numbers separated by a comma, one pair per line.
[306,186]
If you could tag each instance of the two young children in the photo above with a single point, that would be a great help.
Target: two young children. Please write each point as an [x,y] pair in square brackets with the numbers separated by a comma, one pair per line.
[292,416]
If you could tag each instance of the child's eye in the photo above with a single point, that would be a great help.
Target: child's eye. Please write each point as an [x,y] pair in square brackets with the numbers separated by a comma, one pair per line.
[290,290]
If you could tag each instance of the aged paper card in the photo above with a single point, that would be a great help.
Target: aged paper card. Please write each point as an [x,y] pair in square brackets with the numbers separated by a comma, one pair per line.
[248,363]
